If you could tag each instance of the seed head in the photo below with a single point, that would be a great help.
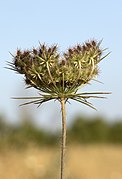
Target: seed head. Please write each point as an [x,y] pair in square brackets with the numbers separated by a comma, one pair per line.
[46,70]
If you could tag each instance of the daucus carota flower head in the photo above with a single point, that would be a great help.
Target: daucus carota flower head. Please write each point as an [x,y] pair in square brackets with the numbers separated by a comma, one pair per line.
[59,76]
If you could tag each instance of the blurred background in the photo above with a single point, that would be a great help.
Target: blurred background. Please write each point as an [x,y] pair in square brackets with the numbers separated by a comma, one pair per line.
[30,136]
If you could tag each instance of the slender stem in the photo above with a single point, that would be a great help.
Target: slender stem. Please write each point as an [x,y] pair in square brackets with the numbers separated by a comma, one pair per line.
[63,137]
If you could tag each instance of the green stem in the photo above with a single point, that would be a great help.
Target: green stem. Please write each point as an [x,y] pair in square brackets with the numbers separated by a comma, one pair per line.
[63,137]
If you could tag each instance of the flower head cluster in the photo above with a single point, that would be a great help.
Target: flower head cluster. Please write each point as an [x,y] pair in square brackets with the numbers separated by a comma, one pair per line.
[61,75]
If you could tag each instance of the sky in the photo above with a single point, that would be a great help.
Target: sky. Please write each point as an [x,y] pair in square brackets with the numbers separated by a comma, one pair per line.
[23,24]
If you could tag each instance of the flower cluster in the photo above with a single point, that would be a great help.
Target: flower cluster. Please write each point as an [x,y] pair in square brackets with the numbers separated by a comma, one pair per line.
[46,70]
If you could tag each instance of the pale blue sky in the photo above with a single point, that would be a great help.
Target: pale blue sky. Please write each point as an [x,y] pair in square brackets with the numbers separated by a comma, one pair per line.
[67,22]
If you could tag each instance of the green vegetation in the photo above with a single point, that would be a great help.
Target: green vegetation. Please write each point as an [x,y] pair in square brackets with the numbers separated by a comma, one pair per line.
[83,130]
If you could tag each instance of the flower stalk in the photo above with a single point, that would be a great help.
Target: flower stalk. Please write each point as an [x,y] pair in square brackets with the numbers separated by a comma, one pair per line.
[63,138]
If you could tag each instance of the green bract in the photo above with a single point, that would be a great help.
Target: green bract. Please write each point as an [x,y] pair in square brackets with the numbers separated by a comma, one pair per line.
[59,76]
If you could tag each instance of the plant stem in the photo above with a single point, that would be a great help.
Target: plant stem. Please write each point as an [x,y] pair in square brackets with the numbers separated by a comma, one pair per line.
[63,137]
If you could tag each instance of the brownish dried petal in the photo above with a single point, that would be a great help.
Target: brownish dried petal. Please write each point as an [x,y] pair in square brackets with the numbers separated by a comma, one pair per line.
[35,52]
[54,48]
[79,47]
[63,62]
[84,48]
[70,51]
[40,52]
[25,53]
[76,50]
[93,43]
[88,45]
[49,50]
[18,52]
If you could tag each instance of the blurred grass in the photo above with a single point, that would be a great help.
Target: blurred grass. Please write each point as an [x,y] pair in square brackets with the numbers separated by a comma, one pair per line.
[94,150]
[82,162]
[82,131]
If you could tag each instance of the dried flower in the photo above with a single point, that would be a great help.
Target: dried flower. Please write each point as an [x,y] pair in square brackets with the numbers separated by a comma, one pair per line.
[59,77]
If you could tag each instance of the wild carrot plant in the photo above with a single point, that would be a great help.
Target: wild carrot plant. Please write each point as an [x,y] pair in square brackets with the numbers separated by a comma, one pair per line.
[59,77]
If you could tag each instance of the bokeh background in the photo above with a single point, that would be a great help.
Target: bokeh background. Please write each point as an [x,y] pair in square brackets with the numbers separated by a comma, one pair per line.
[94,138]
